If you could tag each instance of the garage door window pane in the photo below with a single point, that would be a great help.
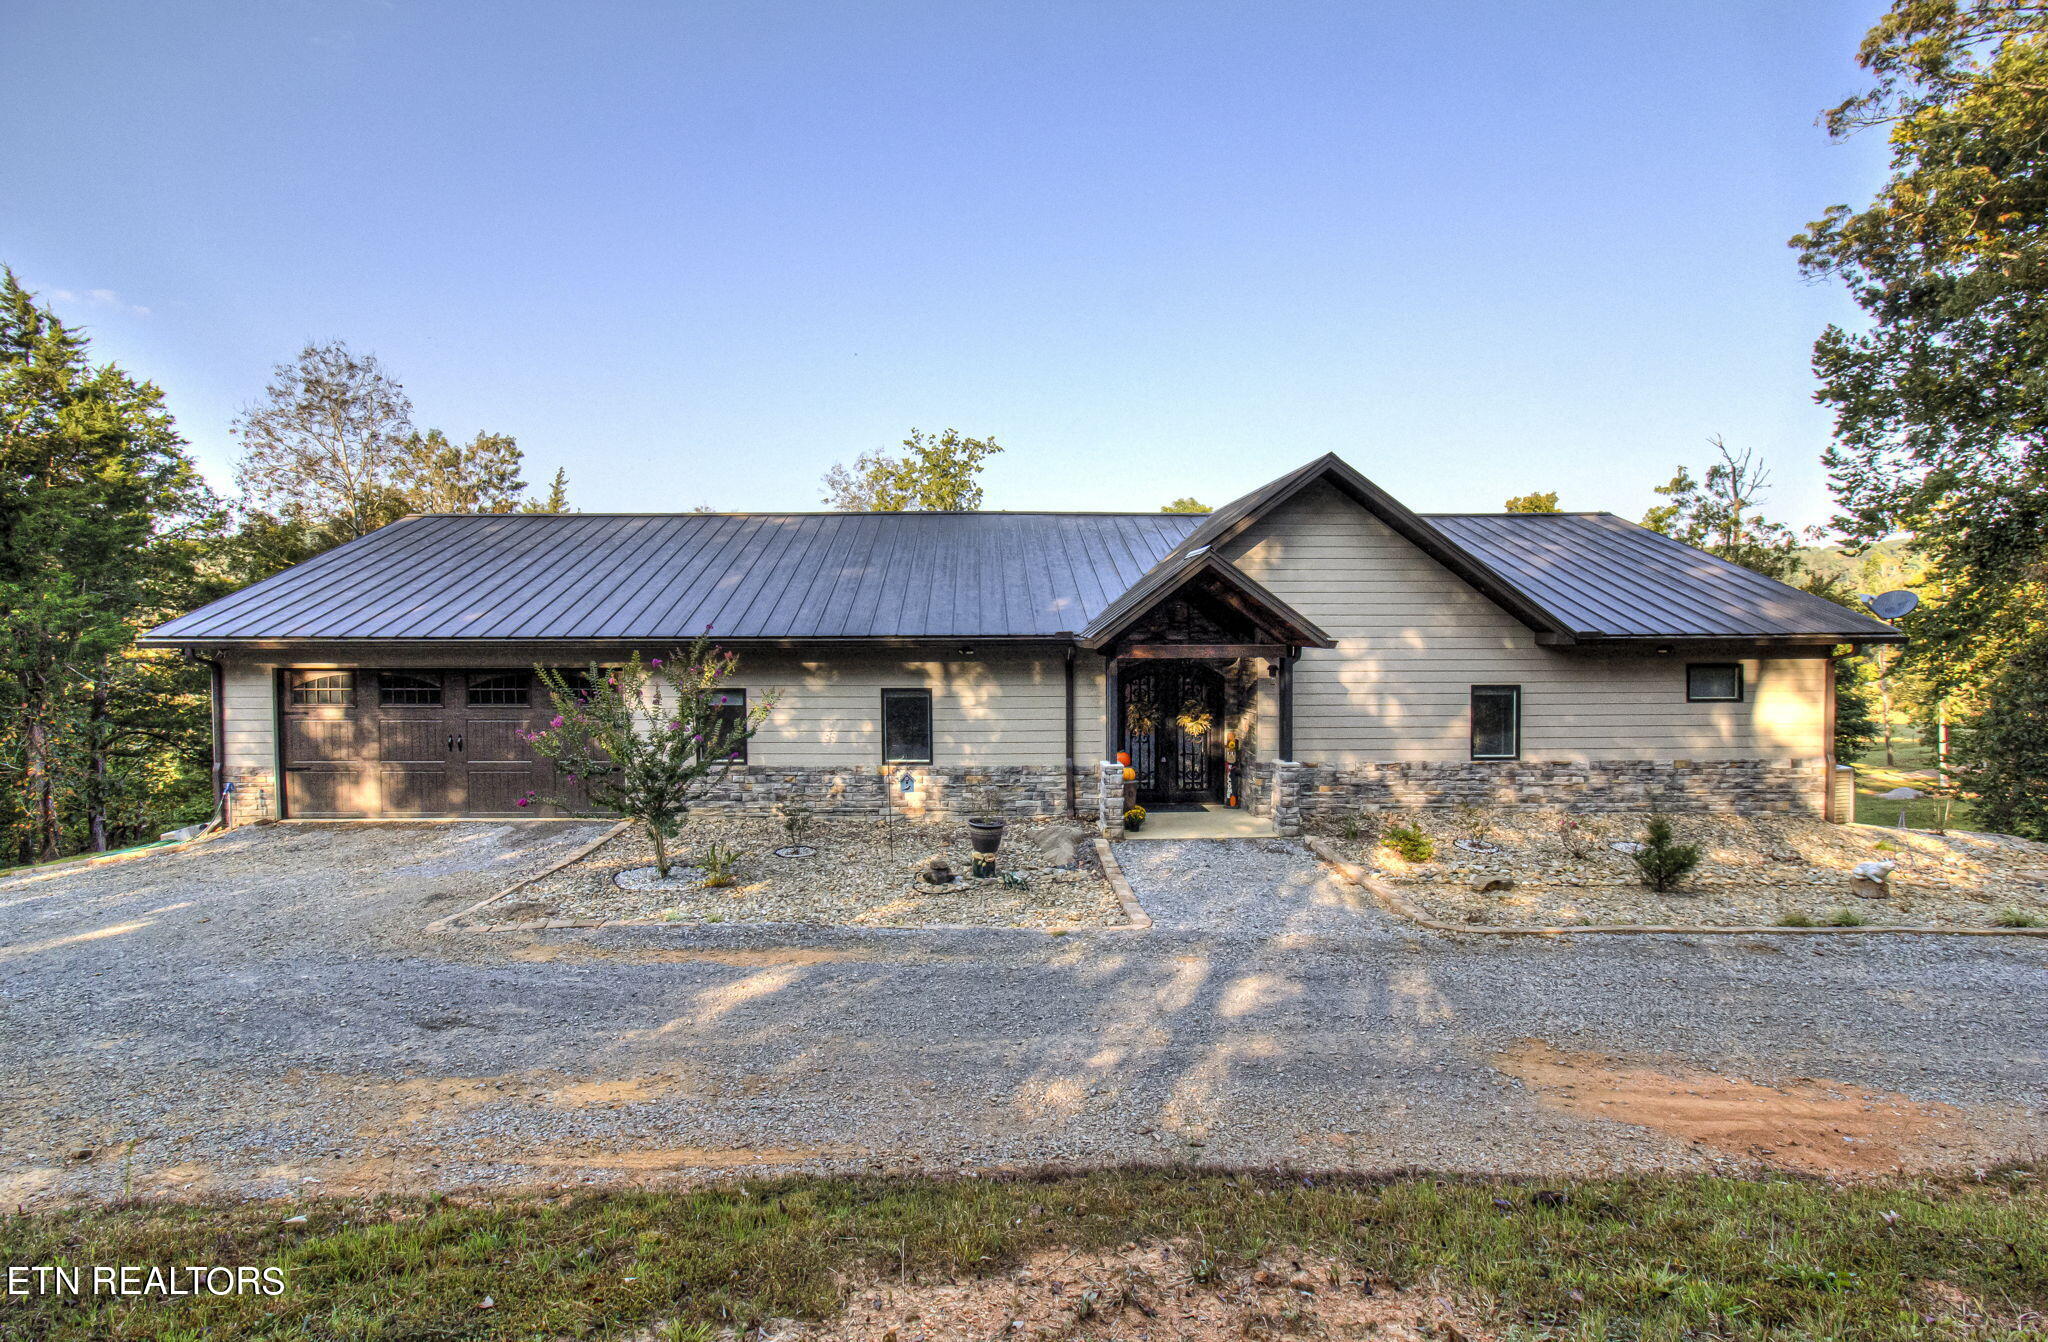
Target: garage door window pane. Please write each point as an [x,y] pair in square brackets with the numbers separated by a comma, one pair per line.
[314,688]
[1714,682]
[500,689]
[403,689]
[907,726]
[1496,722]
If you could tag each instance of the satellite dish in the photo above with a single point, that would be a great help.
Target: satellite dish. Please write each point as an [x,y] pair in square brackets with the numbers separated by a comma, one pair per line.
[1891,605]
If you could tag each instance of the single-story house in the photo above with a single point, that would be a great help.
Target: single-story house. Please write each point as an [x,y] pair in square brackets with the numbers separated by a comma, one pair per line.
[1313,646]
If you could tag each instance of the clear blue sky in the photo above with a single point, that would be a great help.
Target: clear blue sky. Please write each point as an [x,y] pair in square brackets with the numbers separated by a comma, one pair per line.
[696,253]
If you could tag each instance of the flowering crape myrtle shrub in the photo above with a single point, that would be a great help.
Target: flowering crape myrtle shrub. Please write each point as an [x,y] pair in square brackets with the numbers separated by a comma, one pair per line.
[645,739]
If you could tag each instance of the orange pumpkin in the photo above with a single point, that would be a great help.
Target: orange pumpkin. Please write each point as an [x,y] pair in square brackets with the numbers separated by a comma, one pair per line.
[1129,773]
[1123,757]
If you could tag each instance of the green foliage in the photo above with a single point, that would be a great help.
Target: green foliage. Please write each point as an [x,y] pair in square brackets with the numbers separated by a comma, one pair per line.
[719,861]
[102,519]
[2018,918]
[1662,861]
[1532,503]
[1846,918]
[1409,842]
[1797,919]
[644,740]
[1719,513]
[1657,1258]
[2000,753]
[556,500]
[324,447]
[481,476]
[1857,727]
[938,473]
[1937,395]
[1185,504]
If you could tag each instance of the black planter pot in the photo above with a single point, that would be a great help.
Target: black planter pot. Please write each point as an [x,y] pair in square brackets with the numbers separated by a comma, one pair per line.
[985,835]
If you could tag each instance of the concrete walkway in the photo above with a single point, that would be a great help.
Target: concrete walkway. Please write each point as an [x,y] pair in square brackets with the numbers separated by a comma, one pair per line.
[1210,822]
[263,1015]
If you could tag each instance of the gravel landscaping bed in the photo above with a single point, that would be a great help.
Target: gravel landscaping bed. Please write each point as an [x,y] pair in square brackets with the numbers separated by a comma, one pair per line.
[863,873]
[1754,871]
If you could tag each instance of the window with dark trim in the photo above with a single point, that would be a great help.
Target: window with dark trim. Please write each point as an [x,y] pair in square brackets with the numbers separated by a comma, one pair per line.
[319,688]
[407,689]
[729,714]
[1496,722]
[906,726]
[501,689]
[1713,683]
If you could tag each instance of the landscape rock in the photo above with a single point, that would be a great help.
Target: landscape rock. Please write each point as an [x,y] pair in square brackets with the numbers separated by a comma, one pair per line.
[1488,884]
[1057,843]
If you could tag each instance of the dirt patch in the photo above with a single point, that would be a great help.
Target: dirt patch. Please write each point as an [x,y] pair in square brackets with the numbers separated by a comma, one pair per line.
[1808,1125]
[1144,1291]
[543,952]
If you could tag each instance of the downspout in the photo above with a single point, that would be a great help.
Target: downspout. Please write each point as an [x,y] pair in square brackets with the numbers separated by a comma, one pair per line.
[1073,808]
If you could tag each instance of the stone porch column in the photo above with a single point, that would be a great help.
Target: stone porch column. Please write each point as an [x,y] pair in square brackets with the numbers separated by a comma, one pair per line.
[1110,803]
[1287,798]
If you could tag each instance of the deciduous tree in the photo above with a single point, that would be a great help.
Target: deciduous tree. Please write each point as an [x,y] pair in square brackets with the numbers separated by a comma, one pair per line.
[1532,503]
[325,446]
[1185,504]
[480,476]
[936,473]
[1940,396]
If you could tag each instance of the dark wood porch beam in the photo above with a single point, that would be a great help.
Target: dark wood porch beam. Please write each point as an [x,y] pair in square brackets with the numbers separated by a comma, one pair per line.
[1286,678]
[1138,651]
[1109,708]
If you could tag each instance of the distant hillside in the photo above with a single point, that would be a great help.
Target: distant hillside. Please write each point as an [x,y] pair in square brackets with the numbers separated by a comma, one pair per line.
[1878,568]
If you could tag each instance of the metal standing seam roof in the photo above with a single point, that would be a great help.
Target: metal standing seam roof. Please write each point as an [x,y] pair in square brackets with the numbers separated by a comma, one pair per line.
[752,575]
[1611,579]
[817,576]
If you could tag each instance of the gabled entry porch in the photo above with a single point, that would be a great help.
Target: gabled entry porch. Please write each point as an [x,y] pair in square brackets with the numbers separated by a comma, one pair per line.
[1189,655]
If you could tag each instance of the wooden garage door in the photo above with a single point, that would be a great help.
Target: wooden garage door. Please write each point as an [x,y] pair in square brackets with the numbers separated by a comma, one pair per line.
[413,743]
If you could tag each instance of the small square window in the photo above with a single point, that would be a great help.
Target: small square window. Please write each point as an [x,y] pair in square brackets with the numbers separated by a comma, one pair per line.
[906,726]
[323,688]
[728,715]
[1496,722]
[501,689]
[407,689]
[1713,683]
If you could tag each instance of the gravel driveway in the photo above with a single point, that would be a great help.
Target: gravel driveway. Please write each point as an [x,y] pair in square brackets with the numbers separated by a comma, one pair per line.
[263,1014]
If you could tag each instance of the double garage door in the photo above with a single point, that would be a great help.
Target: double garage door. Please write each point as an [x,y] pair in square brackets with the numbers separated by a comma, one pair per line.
[413,743]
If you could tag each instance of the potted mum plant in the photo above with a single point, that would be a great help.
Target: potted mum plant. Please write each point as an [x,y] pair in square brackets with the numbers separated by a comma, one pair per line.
[646,739]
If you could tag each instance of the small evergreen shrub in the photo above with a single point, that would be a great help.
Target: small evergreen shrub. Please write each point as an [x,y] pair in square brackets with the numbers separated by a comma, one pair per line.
[1662,860]
[1410,843]
[1797,919]
[1847,918]
[2017,918]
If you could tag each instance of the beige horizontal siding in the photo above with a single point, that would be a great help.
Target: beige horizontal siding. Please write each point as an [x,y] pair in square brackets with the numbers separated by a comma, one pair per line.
[996,708]
[1413,638]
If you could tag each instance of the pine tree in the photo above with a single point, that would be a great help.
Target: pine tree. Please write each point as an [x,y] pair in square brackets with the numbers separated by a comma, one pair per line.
[557,500]
[98,504]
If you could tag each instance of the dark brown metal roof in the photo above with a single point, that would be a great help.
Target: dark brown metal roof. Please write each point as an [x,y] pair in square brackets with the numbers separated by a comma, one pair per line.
[1572,577]
[753,575]
[1611,579]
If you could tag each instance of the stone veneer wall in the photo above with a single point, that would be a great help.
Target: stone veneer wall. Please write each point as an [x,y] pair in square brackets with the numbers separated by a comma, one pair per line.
[252,796]
[1020,791]
[1740,786]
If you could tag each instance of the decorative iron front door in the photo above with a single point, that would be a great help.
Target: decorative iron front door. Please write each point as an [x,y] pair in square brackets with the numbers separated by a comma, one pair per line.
[1173,729]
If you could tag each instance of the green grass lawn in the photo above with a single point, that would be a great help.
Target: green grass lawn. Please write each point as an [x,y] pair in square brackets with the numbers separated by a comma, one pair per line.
[1913,766]
[1651,1258]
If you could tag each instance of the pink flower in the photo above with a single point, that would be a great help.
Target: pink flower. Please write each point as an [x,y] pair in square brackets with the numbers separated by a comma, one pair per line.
[555,721]
[523,801]
[655,662]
